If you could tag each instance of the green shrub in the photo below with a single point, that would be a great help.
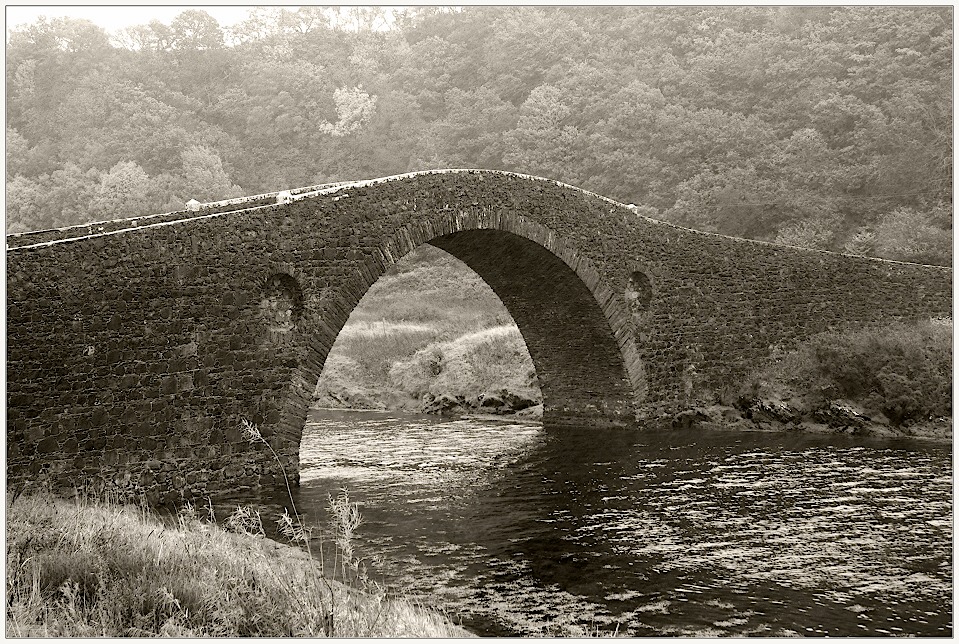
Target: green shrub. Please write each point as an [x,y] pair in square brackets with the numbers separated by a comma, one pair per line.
[473,364]
[376,346]
[903,370]
[913,235]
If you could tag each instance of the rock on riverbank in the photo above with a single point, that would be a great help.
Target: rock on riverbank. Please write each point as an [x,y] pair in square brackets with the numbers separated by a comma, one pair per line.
[829,417]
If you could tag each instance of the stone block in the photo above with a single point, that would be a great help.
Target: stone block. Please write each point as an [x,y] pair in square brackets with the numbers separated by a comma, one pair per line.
[49,445]
[184,382]
[168,385]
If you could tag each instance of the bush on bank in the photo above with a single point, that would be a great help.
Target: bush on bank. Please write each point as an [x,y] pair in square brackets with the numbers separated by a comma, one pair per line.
[900,372]
[92,569]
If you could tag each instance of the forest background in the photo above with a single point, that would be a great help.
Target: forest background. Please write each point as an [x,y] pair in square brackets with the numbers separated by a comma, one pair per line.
[821,127]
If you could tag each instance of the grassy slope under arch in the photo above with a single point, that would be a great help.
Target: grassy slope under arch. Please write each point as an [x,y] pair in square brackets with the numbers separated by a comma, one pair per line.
[429,327]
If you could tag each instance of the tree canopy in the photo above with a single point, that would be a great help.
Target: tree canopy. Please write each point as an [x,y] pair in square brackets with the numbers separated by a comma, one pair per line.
[825,127]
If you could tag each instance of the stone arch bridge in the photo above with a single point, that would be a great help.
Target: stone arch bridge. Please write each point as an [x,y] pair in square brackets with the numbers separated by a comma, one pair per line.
[136,347]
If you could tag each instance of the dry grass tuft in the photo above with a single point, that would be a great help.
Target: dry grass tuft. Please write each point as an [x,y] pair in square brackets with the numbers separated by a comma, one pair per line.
[93,569]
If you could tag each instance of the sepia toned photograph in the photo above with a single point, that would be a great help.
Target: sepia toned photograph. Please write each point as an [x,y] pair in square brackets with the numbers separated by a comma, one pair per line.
[566,321]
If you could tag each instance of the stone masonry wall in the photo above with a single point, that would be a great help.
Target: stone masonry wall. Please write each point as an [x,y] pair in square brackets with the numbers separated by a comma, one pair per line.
[134,353]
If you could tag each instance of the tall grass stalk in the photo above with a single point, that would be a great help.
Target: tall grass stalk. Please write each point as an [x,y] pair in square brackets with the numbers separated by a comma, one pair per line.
[88,568]
[295,529]
[345,519]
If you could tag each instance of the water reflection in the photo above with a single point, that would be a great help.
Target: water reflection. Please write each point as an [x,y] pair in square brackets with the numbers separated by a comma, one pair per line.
[525,531]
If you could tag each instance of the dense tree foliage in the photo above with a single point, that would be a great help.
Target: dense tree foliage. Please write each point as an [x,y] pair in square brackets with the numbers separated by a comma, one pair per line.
[814,126]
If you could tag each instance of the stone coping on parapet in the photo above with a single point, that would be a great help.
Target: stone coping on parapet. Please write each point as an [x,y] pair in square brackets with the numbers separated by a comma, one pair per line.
[97,228]
[223,207]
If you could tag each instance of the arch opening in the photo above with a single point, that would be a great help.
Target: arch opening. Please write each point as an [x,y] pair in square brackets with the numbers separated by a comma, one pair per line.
[576,330]
[430,336]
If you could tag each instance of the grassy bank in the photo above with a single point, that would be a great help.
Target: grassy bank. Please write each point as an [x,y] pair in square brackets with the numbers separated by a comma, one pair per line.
[430,335]
[900,373]
[894,380]
[92,569]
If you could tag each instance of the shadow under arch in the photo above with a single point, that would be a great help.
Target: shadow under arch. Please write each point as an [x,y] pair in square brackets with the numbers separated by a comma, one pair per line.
[578,331]
[578,362]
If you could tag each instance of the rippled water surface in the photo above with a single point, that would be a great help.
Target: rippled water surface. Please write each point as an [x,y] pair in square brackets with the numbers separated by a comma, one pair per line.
[523,531]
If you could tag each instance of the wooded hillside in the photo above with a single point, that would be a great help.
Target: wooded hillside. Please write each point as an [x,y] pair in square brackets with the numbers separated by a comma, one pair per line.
[813,126]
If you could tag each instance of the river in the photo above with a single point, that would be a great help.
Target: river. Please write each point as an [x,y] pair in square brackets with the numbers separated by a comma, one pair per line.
[516,530]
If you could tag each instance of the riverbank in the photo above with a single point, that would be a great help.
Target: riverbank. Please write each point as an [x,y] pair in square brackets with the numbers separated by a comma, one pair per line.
[487,371]
[834,417]
[91,569]
[892,381]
